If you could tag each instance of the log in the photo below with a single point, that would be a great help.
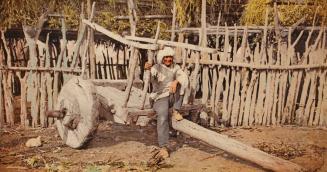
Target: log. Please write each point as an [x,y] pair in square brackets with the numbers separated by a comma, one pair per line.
[235,147]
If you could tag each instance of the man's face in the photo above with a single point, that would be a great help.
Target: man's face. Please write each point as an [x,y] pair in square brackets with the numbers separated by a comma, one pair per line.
[167,60]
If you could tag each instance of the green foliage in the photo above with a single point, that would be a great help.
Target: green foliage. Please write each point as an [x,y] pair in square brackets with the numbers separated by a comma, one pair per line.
[14,13]
[189,11]
[254,13]
[92,168]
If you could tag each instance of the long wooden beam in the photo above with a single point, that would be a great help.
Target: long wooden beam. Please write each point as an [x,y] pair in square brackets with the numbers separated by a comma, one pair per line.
[259,67]
[54,69]
[145,17]
[235,147]
[172,43]
[118,37]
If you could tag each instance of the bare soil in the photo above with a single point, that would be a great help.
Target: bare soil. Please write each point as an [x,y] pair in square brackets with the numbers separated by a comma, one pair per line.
[128,148]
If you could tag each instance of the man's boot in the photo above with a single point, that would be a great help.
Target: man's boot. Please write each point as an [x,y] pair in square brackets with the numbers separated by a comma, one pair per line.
[158,157]
[176,115]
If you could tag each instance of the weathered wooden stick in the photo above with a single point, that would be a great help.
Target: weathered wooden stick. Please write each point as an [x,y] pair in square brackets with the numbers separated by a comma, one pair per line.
[6,48]
[173,22]
[145,17]
[112,68]
[80,37]
[42,88]
[131,77]
[147,74]
[134,51]
[49,81]
[193,79]
[235,147]
[50,69]
[8,97]
[173,44]
[252,29]
[91,11]
[23,99]
[226,74]
[260,66]
[7,86]
[120,38]
[204,55]
[2,112]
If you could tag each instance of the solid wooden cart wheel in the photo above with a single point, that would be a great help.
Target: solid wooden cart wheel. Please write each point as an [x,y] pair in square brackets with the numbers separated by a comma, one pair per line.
[78,97]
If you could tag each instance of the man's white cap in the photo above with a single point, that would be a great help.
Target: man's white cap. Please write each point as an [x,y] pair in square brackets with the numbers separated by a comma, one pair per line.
[167,51]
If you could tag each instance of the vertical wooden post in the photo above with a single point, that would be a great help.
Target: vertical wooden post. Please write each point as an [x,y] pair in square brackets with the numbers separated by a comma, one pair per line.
[7,86]
[134,52]
[173,23]
[23,98]
[89,47]
[203,43]
[43,108]
[80,37]
[225,76]
[2,113]
[61,55]
[147,74]
[49,82]
[8,97]
[262,76]
[2,109]
[90,11]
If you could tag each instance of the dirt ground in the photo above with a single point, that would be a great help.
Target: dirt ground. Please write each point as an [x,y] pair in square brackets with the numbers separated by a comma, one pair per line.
[128,148]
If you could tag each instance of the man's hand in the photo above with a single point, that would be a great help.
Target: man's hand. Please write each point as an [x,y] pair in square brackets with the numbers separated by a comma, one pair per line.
[147,66]
[173,86]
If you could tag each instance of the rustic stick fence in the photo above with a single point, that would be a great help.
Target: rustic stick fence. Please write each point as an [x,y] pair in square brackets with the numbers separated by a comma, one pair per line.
[271,80]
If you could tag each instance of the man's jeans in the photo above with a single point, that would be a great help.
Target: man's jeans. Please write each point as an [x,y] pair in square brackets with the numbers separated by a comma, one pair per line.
[161,107]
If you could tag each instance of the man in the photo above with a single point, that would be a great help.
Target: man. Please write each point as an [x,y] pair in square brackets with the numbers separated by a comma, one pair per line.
[169,82]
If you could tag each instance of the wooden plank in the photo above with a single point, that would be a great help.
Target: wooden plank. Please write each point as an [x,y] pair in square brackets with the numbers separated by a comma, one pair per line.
[234,147]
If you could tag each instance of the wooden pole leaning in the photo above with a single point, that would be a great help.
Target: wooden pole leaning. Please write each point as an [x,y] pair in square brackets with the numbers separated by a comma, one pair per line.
[147,74]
